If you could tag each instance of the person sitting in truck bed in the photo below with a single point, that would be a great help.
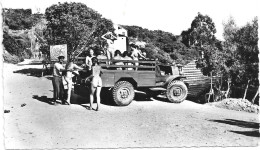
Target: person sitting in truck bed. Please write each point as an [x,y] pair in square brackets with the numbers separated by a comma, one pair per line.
[103,57]
[127,56]
[118,56]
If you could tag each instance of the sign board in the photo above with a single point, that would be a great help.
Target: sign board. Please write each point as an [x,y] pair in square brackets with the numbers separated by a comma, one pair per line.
[58,50]
[120,44]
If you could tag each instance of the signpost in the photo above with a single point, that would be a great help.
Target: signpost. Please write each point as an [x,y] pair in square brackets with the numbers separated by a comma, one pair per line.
[55,52]
[58,50]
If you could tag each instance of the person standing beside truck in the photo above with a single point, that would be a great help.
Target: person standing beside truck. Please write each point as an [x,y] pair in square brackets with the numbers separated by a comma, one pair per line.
[88,59]
[71,69]
[96,83]
[58,88]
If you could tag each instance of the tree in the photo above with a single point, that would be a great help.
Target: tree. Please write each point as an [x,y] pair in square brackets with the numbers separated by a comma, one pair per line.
[103,26]
[201,32]
[229,45]
[247,49]
[18,19]
[74,24]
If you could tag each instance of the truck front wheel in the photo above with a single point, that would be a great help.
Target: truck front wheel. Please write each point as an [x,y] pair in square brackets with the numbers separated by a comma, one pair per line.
[123,93]
[176,91]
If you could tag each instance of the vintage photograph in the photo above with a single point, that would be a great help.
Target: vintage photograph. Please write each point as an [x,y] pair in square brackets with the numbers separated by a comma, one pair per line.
[130,74]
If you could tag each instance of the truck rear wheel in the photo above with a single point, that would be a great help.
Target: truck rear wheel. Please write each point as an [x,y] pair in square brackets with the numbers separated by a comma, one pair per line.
[176,91]
[123,93]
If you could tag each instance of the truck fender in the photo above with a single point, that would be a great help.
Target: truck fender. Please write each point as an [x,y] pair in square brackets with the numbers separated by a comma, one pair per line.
[129,79]
[171,78]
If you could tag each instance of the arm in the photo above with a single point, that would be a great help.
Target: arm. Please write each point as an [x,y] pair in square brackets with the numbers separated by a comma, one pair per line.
[59,67]
[77,67]
[103,36]
[141,55]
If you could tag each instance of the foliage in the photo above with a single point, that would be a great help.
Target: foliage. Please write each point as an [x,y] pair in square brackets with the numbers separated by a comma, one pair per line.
[45,49]
[18,19]
[201,32]
[162,45]
[212,61]
[236,58]
[11,44]
[200,39]
[247,50]
[241,52]
[11,58]
[74,24]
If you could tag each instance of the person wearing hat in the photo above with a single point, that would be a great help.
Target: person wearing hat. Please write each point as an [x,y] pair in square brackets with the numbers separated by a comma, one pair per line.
[58,88]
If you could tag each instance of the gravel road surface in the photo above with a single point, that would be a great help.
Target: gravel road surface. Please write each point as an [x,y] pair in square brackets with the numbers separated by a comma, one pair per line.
[34,123]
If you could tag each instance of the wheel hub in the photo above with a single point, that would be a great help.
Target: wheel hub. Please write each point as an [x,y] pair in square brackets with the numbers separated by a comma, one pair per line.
[124,93]
[177,92]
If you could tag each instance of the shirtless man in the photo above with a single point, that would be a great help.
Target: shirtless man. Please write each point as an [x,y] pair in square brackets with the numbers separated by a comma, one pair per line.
[88,59]
[110,41]
[136,54]
[70,68]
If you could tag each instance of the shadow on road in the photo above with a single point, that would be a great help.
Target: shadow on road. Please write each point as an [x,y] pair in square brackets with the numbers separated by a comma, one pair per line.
[141,96]
[162,99]
[44,99]
[243,124]
[35,72]
[254,133]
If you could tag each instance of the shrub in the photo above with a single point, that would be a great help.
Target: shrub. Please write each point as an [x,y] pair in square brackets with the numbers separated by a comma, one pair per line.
[13,59]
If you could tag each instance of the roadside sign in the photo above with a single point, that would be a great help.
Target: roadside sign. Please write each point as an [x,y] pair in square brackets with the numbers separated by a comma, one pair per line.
[58,50]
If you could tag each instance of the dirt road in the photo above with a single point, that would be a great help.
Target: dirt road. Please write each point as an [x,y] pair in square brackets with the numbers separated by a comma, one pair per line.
[33,123]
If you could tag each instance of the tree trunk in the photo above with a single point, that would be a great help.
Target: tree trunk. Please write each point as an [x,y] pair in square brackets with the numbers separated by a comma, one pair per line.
[246,89]
[257,92]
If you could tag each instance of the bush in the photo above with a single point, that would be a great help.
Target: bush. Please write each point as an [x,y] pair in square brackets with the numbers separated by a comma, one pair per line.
[13,59]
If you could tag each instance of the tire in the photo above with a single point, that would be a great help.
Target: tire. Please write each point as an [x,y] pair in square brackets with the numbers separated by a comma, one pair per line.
[176,91]
[123,93]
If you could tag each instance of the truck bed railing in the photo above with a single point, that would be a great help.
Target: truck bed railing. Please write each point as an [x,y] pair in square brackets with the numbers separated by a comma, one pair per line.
[110,64]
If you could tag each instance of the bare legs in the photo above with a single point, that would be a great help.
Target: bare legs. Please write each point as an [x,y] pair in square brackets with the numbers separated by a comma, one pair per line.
[92,92]
[69,83]
[98,97]
[69,92]
[91,96]
[109,56]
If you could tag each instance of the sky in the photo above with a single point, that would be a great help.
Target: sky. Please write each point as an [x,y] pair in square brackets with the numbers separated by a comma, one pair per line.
[172,16]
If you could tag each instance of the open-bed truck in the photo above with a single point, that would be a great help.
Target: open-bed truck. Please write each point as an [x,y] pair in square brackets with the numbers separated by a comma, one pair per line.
[121,81]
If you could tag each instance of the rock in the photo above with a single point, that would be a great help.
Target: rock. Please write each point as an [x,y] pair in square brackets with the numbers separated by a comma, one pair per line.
[23,105]
[6,111]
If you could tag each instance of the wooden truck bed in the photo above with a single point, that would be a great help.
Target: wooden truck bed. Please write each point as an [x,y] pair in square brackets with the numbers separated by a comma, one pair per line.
[144,75]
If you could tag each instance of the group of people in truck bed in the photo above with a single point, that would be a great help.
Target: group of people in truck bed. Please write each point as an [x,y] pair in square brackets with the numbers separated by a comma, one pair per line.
[134,53]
